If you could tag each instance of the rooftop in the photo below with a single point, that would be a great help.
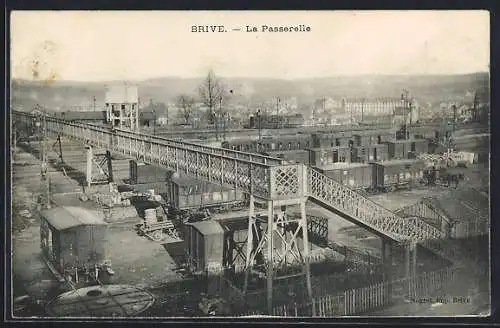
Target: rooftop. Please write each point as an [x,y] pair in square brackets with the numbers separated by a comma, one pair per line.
[66,217]
[462,204]
[400,162]
[341,165]
[208,228]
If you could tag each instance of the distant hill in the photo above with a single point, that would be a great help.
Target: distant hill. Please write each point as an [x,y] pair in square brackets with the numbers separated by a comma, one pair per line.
[426,88]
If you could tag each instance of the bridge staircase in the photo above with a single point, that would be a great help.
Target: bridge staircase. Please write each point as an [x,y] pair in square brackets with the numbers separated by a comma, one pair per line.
[350,205]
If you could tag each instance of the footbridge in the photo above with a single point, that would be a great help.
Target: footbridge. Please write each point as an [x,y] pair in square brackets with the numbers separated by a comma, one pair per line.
[263,178]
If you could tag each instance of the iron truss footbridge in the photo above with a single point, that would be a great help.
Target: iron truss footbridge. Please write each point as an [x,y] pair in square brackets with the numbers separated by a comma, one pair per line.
[264,179]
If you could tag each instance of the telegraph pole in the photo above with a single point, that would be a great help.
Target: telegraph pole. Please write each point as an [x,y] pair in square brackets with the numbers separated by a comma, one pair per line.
[94,103]
[42,124]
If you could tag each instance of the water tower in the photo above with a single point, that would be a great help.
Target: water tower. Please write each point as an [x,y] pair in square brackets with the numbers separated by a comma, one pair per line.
[122,106]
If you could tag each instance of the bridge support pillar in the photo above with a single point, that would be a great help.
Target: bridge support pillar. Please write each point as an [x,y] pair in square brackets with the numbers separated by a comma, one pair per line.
[411,266]
[289,260]
[387,252]
[89,166]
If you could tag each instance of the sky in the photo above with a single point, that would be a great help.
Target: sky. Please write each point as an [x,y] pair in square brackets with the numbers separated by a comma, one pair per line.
[138,45]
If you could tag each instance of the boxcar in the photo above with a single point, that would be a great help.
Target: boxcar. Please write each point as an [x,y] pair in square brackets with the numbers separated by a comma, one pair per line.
[204,244]
[326,156]
[393,174]
[291,156]
[145,173]
[73,240]
[366,154]
[353,175]
[186,193]
[335,139]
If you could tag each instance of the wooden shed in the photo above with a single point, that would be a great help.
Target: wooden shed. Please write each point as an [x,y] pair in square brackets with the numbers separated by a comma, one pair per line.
[204,242]
[73,238]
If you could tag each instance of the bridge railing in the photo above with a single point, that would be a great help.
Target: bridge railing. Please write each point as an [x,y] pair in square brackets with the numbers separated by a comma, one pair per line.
[264,180]
[367,212]
[258,158]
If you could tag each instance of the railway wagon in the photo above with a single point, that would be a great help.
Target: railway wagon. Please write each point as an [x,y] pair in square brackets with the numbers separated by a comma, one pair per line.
[397,149]
[186,193]
[294,142]
[292,156]
[73,242]
[204,246]
[243,145]
[326,156]
[331,139]
[364,140]
[393,174]
[366,154]
[353,175]
[144,173]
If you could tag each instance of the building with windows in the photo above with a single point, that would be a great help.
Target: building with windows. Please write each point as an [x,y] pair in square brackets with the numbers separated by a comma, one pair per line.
[122,106]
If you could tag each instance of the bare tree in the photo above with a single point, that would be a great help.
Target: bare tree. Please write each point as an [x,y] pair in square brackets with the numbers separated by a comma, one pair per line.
[186,105]
[211,91]
[213,94]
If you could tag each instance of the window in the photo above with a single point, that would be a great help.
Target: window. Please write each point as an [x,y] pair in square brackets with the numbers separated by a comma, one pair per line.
[123,106]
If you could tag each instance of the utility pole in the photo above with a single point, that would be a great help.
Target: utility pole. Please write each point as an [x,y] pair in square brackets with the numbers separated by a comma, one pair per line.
[94,103]
[260,127]
[277,105]
[44,162]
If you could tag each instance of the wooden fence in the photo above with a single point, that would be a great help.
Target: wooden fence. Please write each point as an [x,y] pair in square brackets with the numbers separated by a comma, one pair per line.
[370,298]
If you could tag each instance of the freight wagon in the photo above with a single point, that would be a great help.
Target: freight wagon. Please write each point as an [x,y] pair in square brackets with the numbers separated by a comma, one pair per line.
[73,243]
[326,156]
[372,153]
[353,175]
[291,156]
[394,174]
[141,173]
[204,245]
[336,139]
[189,194]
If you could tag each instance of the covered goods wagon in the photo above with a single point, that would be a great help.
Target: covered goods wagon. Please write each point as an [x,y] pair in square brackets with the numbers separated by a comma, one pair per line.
[398,173]
[187,193]
[204,245]
[326,156]
[397,149]
[144,173]
[353,175]
[331,139]
[73,240]
[291,156]
[372,153]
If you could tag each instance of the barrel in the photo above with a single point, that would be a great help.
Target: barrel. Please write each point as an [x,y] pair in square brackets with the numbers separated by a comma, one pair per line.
[150,215]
